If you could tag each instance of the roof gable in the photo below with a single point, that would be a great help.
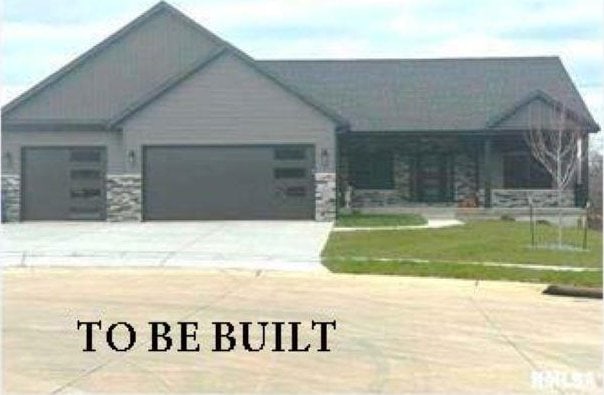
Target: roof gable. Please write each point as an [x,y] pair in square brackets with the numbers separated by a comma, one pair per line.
[200,67]
[103,81]
[227,96]
[538,104]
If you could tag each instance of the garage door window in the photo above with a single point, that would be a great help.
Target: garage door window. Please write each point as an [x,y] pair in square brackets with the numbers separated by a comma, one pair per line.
[86,179]
[85,174]
[85,155]
[290,172]
[290,153]
[85,193]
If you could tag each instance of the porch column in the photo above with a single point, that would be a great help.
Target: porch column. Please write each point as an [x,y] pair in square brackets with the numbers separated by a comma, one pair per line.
[487,170]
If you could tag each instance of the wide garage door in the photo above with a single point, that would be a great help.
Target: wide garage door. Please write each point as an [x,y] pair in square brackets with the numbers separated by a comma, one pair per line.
[237,182]
[63,183]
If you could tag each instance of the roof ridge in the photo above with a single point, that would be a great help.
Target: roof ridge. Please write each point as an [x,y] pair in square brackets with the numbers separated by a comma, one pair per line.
[196,25]
[482,58]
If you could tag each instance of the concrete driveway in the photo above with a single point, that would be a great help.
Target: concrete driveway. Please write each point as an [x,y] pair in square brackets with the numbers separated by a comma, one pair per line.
[265,245]
[393,335]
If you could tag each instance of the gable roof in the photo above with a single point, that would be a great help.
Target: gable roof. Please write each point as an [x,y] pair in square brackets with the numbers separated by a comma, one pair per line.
[98,84]
[429,94]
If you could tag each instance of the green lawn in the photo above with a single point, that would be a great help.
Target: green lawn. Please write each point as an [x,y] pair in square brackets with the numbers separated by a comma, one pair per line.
[374,220]
[467,271]
[449,248]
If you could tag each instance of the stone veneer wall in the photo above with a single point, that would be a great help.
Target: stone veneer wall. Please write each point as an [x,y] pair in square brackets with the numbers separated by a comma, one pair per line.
[11,197]
[402,176]
[464,177]
[325,196]
[541,198]
[376,198]
[124,197]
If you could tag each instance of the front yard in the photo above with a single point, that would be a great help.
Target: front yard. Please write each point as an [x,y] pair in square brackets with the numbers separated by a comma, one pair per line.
[376,220]
[459,251]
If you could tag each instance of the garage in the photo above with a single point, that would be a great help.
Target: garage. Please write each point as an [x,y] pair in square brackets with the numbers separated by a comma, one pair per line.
[63,183]
[228,182]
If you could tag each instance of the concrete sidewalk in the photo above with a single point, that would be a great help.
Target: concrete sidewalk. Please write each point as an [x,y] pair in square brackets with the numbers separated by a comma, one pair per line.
[431,224]
[264,245]
[394,334]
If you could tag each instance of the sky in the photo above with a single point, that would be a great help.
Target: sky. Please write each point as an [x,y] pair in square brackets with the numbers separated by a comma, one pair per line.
[40,36]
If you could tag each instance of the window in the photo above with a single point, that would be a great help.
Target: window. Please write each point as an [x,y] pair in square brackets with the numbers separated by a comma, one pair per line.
[290,172]
[290,153]
[85,174]
[522,170]
[372,170]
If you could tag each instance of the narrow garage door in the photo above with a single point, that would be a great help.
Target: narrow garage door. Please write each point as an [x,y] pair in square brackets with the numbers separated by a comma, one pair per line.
[242,182]
[65,183]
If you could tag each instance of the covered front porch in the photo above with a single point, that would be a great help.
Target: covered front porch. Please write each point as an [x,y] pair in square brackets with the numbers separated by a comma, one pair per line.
[389,170]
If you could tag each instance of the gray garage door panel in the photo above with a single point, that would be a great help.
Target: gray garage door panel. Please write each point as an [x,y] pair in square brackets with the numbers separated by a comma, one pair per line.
[188,183]
[63,183]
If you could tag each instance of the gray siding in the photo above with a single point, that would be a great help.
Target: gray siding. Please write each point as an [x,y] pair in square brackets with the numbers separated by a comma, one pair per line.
[229,103]
[121,73]
[13,142]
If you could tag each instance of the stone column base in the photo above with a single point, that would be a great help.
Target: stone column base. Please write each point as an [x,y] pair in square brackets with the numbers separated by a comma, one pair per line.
[11,198]
[541,198]
[325,196]
[124,197]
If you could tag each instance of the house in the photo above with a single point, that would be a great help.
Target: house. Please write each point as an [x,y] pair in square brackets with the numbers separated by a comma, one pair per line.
[166,121]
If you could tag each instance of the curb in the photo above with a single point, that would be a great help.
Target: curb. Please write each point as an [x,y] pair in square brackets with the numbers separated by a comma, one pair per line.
[578,292]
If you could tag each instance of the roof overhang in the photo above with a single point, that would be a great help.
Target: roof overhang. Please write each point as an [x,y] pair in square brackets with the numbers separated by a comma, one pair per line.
[56,126]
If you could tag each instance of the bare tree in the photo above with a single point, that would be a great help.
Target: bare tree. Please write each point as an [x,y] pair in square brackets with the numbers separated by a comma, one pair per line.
[555,140]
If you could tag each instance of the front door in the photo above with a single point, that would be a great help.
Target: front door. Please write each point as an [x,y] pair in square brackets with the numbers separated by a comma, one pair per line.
[433,178]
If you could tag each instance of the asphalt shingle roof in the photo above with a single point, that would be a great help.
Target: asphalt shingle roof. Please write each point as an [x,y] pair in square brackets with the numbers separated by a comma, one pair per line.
[106,83]
[427,94]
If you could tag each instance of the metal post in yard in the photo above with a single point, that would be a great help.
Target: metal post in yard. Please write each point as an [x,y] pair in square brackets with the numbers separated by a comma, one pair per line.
[585,225]
[530,201]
